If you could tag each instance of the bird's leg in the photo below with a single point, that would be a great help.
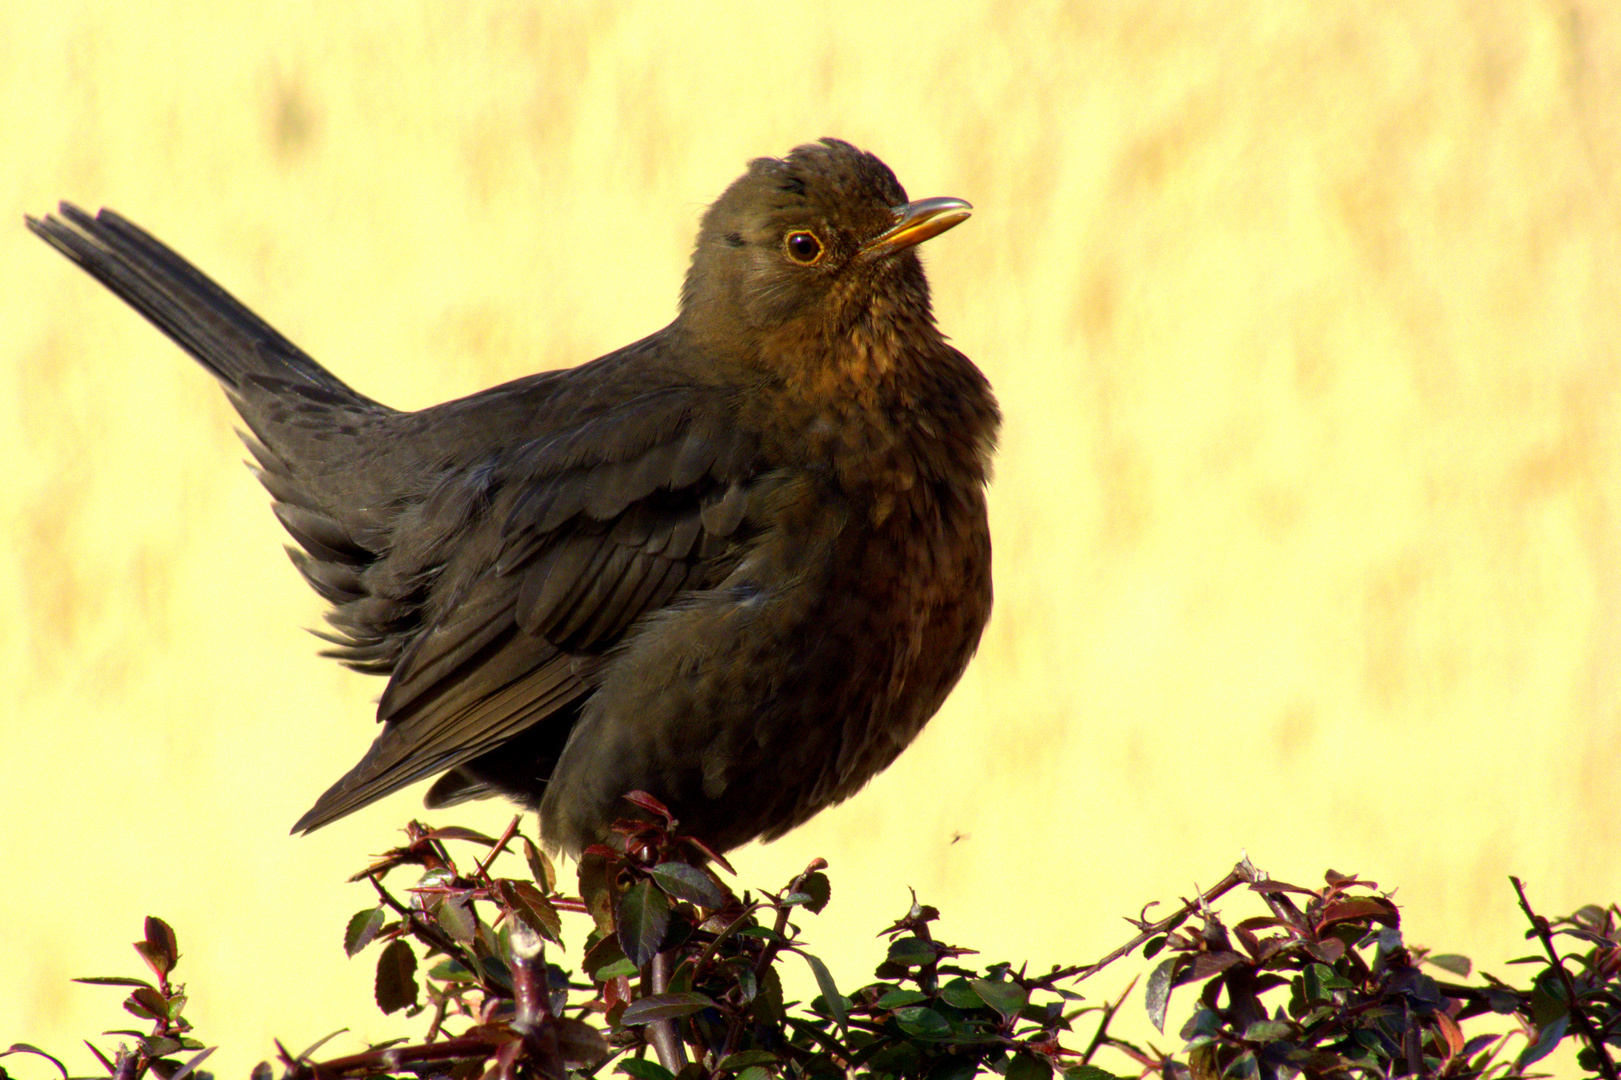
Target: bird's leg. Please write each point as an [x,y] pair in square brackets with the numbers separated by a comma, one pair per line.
[662,1033]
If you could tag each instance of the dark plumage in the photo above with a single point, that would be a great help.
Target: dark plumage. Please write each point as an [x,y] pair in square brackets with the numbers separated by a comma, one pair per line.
[737,564]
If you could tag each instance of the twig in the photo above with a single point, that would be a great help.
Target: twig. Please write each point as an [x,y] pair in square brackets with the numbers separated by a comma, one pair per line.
[390,1059]
[1103,1023]
[482,870]
[423,927]
[1241,874]
[1578,1017]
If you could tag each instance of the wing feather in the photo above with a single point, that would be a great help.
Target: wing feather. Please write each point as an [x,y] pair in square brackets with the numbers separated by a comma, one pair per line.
[556,555]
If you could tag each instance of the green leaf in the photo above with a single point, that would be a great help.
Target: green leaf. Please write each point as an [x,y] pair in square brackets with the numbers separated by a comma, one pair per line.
[683,881]
[923,1022]
[743,972]
[454,919]
[1268,1031]
[754,1072]
[768,1003]
[911,952]
[1158,995]
[959,995]
[1502,999]
[614,970]
[1005,998]
[664,1007]
[644,919]
[747,1058]
[836,1004]
[899,999]
[1311,985]
[362,928]
[439,877]
[643,1069]
[1089,1072]
[396,977]
[1458,965]
[764,933]
[1029,1067]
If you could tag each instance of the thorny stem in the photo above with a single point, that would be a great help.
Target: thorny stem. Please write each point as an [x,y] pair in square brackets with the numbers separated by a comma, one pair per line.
[371,1062]
[1240,874]
[482,870]
[422,926]
[1578,1016]
[1103,1023]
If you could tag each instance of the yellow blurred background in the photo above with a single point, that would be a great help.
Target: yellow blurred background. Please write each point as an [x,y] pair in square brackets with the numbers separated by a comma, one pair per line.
[1308,513]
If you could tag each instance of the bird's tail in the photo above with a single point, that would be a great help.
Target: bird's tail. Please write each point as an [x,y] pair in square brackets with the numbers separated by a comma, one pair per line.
[202,318]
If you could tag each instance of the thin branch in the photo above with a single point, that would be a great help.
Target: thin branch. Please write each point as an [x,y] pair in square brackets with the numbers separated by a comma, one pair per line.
[482,870]
[1109,1011]
[1241,874]
[424,928]
[1578,1016]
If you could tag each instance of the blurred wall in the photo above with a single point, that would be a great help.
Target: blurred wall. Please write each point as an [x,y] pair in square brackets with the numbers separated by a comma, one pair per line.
[1305,322]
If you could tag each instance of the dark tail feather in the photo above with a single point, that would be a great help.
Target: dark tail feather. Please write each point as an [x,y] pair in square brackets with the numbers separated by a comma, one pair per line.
[177,298]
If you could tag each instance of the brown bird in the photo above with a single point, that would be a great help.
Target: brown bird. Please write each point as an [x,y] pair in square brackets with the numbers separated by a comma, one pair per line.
[737,564]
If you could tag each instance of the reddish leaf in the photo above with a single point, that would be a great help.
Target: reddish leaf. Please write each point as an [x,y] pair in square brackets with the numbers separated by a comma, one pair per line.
[1329,950]
[148,1004]
[1451,1032]
[1373,909]
[457,832]
[1207,964]
[160,949]
[526,903]
[651,805]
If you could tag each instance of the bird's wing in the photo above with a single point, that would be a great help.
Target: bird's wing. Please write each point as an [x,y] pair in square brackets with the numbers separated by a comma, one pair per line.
[563,544]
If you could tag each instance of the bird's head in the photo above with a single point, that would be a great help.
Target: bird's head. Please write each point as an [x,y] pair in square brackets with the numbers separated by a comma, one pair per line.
[821,239]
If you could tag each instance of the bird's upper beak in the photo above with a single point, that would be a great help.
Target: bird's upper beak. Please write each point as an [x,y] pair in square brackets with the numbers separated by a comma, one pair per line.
[915,222]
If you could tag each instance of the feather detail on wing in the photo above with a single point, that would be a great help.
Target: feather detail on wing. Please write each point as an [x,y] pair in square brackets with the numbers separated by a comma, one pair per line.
[556,559]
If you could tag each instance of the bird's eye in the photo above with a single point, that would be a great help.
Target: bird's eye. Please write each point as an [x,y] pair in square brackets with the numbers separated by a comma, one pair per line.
[803,247]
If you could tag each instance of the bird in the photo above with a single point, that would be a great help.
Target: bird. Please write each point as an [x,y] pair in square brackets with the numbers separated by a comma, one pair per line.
[737,564]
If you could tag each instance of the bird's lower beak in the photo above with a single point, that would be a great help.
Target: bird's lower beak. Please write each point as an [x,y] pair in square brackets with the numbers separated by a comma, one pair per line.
[915,222]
